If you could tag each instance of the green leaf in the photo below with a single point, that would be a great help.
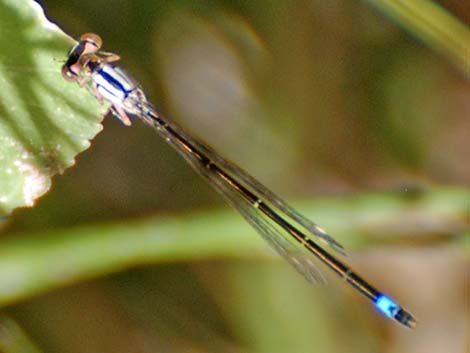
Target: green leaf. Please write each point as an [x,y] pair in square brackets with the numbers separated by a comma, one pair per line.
[45,121]
[433,25]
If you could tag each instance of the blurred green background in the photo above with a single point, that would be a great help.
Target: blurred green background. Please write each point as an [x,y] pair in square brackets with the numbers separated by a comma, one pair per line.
[329,103]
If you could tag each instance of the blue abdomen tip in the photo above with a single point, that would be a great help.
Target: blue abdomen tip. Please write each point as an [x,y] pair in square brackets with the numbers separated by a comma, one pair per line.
[387,306]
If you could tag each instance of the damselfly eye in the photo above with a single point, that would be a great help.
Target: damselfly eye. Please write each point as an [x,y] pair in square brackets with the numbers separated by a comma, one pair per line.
[68,74]
[93,39]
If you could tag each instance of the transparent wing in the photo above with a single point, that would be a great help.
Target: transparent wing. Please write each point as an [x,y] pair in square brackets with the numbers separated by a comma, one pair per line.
[255,186]
[279,240]
[272,198]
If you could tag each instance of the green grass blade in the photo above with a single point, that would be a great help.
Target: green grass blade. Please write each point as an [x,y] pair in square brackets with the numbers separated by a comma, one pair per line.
[32,264]
[432,24]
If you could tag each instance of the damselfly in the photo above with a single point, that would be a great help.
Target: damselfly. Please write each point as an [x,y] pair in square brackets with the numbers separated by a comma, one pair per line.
[286,230]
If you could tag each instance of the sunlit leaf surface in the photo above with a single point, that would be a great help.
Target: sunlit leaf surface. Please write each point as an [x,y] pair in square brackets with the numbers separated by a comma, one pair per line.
[44,120]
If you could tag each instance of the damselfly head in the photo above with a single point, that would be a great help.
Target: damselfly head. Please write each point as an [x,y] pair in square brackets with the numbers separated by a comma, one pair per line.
[68,73]
[71,67]
[89,43]
[93,41]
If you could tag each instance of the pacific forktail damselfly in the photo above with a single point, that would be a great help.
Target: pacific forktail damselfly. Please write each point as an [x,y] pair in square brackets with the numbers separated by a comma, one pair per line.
[286,230]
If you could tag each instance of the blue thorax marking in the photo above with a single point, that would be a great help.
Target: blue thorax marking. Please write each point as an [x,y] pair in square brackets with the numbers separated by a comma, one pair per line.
[113,84]
[114,80]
